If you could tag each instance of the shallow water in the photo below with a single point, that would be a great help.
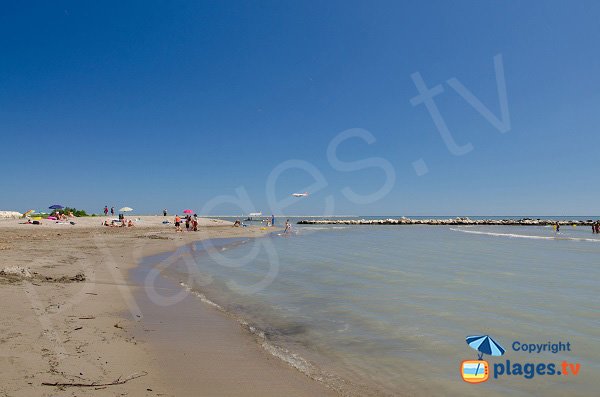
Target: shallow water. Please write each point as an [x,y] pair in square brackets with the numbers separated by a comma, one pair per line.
[389,307]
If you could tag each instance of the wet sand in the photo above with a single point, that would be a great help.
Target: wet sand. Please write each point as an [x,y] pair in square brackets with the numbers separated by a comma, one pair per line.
[71,315]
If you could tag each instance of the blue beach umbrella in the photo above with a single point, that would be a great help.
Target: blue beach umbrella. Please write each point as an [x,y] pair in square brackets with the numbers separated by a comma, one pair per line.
[484,344]
[56,207]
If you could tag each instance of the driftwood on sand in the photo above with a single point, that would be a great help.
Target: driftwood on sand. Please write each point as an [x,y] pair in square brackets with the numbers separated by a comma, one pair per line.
[118,381]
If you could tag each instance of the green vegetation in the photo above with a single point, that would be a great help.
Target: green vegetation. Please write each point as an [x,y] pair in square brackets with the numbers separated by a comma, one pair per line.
[75,211]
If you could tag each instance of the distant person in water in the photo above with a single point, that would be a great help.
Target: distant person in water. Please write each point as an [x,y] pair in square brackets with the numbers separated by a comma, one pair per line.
[272,220]
[288,226]
[557,227]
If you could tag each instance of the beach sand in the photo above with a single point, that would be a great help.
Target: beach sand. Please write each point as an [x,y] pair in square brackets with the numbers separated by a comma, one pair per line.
[71,314]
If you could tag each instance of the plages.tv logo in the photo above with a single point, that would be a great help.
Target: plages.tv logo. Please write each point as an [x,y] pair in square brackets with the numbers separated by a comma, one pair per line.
[478,371]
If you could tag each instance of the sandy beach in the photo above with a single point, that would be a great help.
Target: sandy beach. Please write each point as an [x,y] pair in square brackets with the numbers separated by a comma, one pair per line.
[74,323]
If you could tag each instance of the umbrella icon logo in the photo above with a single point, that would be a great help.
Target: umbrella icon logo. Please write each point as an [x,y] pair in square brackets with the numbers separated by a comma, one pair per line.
[477,371]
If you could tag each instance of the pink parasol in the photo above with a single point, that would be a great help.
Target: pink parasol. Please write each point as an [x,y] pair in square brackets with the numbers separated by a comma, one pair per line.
[188,211]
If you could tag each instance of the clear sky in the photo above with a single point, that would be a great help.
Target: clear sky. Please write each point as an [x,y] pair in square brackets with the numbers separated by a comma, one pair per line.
[172,104]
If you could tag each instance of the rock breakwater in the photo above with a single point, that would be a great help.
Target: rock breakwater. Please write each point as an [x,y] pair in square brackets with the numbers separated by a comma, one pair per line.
[448,222]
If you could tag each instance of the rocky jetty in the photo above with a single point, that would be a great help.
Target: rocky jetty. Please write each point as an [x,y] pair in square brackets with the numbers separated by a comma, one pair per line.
[447,222]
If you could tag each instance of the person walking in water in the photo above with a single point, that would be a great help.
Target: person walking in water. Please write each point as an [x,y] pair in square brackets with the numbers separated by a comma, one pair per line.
[288,226]
[557,227]
[105,210]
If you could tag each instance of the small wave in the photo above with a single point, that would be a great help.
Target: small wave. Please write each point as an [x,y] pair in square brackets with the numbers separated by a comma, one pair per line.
[513,235]
[202,297]
[334,382]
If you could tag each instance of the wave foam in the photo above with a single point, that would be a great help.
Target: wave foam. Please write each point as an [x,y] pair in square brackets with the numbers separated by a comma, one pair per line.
[514,235]
[292,359]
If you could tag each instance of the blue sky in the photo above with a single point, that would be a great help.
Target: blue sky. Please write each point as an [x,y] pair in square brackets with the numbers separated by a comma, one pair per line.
[171,104]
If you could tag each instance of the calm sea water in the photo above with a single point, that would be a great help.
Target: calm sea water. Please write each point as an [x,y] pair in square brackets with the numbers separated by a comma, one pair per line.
[388,307]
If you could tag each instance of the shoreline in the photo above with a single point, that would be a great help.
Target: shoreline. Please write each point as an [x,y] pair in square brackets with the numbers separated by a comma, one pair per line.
[83,329]
[170,279]
[233,335]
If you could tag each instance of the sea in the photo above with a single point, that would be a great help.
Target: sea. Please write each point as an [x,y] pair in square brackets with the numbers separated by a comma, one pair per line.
[386,310]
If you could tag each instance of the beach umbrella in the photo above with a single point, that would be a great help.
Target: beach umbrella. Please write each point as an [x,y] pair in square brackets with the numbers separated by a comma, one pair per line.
[56,207]
[484,344]
[188,211]
[126,209]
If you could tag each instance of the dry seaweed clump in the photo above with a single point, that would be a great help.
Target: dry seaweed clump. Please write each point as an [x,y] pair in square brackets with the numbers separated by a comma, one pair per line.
[15,274]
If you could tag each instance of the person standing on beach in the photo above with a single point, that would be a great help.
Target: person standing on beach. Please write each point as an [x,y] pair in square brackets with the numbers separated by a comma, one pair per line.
[112,211]
[165,212]
[177,223]
[187,223]
[195,223]
[105,210]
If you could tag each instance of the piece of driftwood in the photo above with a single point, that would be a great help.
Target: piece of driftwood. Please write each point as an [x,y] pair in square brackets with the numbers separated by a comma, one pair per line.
[119,381]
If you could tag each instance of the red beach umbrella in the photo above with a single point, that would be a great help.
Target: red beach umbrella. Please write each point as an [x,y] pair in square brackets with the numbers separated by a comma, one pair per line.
[188,211]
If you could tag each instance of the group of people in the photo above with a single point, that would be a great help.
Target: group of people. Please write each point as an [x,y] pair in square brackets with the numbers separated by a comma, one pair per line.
[595,227]
[63,217]
[112,210]
[122,223]
[270,222]
[191,222]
